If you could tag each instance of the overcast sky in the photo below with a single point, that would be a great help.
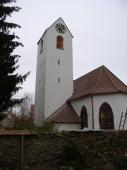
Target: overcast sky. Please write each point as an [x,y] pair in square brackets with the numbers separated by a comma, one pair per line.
[99,28]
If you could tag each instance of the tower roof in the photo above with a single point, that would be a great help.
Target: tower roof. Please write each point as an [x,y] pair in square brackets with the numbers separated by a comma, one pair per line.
[98,81]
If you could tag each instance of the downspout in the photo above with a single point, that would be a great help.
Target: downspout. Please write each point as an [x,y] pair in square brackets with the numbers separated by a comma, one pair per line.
[92,103]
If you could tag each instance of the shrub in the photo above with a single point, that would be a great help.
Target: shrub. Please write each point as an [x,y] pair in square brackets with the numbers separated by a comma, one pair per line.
[121,163]
[47,127]
[23,124]
[71,157]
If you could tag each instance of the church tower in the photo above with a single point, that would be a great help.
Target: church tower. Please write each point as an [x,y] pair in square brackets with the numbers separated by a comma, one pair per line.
[54,76]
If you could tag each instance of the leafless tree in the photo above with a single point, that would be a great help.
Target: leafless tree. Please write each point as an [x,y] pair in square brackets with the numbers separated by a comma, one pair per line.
[24,108]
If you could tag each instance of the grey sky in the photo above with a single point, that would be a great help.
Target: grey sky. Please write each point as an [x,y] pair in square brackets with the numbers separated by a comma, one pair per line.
[99,28]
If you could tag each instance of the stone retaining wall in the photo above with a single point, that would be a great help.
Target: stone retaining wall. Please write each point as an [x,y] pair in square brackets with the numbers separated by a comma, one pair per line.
[33,151]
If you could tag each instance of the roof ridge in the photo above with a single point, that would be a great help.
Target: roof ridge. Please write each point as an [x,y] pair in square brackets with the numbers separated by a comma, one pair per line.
[117,78]
[61,115]
[55,112]
[111,79]
[69,103]
[99,77]
[86,74]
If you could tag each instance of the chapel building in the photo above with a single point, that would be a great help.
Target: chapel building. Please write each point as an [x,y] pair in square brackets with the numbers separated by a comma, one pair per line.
[95,100]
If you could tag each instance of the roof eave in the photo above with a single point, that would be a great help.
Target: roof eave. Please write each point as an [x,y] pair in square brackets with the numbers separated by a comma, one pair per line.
[93,94]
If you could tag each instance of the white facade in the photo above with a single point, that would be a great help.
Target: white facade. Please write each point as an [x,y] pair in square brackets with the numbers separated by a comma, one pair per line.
[54,77]
[118,103]
[79,103]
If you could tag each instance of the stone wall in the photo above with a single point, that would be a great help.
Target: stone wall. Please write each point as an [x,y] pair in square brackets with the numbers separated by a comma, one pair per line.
[39,151]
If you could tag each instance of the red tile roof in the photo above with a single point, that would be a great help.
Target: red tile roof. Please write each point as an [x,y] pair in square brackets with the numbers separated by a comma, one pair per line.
[98,81]
[65,114]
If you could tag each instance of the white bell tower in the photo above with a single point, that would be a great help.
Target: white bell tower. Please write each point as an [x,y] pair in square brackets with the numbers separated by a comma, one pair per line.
[54,76]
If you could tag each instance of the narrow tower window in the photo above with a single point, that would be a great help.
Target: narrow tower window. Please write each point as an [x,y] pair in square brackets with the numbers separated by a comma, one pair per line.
[41,48]
[59,80]
[58,62]
[60,42]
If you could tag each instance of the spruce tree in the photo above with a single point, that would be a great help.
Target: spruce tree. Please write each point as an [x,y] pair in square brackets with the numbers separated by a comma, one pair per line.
[10,80]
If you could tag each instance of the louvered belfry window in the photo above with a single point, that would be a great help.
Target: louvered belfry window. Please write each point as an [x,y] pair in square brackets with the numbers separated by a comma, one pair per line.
[60,42]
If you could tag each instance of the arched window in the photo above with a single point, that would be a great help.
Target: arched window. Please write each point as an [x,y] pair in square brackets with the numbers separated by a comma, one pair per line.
[106,118]
[84,117]
[60,42]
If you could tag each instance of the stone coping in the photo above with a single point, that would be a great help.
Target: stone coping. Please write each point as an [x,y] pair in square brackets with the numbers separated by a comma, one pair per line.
[35,132]
[18,132]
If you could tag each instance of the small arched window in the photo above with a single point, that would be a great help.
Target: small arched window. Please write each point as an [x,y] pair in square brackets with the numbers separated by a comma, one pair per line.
[84,117]
[60,42]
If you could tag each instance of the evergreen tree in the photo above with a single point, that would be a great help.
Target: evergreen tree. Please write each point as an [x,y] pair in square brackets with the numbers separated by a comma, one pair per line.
[10,80]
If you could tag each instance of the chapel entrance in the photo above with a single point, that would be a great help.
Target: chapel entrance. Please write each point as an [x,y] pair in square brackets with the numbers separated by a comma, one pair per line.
[106,118]
[84,117]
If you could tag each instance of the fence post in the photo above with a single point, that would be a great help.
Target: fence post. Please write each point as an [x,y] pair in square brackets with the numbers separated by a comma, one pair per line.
[22,159]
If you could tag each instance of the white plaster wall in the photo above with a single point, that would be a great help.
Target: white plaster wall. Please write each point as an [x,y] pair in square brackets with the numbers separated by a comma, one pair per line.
[40,83]
[57,93]
[79,103]
[67,126]
[118,103]
[49,94]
